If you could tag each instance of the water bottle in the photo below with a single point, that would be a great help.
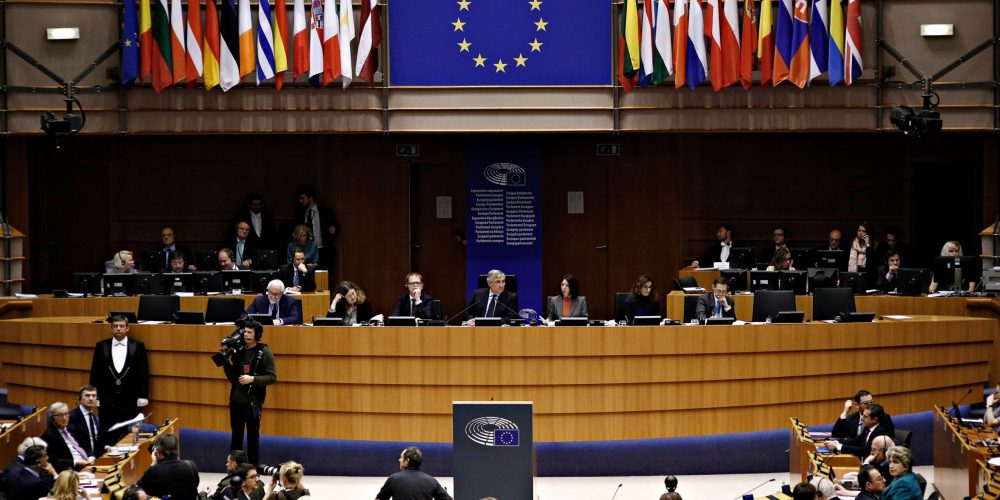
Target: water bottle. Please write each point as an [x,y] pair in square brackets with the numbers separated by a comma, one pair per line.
[768,319]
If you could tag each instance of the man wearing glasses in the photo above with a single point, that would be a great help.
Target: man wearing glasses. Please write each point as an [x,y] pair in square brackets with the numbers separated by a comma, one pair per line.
[415,303]
[64,451]
[493,301]
[250,488]
[280,307]
[850,426]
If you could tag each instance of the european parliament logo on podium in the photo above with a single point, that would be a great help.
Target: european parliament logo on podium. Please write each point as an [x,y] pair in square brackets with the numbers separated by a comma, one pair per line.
[493,449]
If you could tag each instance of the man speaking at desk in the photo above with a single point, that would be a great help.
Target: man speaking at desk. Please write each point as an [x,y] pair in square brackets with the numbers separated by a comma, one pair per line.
[715,304]
[249,370]
[494,301]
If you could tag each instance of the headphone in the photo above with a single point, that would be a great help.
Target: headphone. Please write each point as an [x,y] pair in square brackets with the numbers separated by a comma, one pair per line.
[120,258]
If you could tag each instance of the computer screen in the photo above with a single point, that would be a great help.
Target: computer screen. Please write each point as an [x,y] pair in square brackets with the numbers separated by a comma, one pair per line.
[764,280]
[821,277]
[87,283]
[831,258]
[828,303]
[913,281]
[855,281]
[968,269]
[736,278]
[795,281]
[237,280]
[119,285]
[176,282]
[741,257]
[802,257]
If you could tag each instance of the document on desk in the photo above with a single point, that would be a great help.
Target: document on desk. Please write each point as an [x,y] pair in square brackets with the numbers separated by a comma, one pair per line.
[25,295]
[694,289]
[898,316]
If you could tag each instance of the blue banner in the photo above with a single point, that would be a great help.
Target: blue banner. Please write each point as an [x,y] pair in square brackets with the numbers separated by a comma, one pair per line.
[500,42]
[504,216]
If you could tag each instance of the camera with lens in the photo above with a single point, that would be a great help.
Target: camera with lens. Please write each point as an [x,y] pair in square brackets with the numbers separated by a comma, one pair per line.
[231,344]
[270,470]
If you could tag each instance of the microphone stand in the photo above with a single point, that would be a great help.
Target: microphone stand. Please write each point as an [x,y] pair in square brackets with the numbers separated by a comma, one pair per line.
[754,489]
[470,306]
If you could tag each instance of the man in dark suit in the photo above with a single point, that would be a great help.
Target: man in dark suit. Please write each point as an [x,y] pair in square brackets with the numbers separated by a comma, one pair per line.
[718,252]
[169,475]
[715,304]
[887,274]
[120,372]
[778,237]
[324,225]
[84,423]
[241,245]
[872,419]
[494,301]
[298,275]
[280,307]
[63,449]
[262,233]
[415,303]
[31,477]
[167,251]
[872,483]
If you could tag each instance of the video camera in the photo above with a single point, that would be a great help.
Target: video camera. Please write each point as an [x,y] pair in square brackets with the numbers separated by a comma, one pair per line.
[231,344]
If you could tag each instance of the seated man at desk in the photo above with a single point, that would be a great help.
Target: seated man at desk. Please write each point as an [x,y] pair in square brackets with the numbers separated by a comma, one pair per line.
[415,303]
[887,273]
[861,446]
[33,477]
[280,307]
[718,252]
[872,483]
[850,425]
[63,450]
[715,304]
[493,301]
[297,274]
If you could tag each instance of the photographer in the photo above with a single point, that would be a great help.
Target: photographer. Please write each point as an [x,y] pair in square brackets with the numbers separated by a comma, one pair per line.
[291,483]
[250,369]
[170,476]
[245,484]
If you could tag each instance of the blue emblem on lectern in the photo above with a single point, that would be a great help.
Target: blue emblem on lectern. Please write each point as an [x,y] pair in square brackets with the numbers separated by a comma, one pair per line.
[506,437]
[493,431]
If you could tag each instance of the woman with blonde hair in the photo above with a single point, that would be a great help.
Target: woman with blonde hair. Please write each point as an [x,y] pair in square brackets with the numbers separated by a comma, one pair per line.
[67,487]
[292,488]
[302,239]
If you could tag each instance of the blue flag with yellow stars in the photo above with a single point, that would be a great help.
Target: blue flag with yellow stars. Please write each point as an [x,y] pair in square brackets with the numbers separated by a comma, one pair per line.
[499,42]
[130,44]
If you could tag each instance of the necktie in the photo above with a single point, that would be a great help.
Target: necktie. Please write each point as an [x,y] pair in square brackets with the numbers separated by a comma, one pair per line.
[72,442]
[239,251]
[491,308]
[295,278]
[864,438]
[413,307]
[274,310]
[718,309]
[169,253]
[93,432]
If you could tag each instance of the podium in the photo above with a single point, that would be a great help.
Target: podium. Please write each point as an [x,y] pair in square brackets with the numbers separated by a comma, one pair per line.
[494,452]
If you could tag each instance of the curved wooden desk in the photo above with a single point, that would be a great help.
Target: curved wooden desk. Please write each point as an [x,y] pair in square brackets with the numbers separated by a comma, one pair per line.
[587,383]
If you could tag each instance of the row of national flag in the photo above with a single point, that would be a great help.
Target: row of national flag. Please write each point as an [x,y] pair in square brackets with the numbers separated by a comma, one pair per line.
[159,44]
[713,40]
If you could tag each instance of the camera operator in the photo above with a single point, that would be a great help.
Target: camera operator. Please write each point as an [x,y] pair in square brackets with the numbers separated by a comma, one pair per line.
[250,369]
[291,483]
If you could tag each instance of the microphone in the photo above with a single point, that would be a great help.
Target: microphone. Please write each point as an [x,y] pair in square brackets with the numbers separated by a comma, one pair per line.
[470,306]
[616,491]
[754,489]
[517,314]
[963,397]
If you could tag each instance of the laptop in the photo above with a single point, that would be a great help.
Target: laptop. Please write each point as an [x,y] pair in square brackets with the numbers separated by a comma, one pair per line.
[789,317]
[189,318]
[720,321]
[263,319]
[401,321]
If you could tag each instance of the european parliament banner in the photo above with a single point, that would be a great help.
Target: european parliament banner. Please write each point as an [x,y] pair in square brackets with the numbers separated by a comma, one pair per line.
[499,42]
[503,219]
[493,450]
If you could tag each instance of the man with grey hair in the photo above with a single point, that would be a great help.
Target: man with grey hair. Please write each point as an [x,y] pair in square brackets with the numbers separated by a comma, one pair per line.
[494,301]
[64,451]
[824,488]
[33,477]
[18,461]
[280,307]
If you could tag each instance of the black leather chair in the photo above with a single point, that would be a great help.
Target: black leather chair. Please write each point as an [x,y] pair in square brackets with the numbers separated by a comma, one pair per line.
[158,307]
[620,299]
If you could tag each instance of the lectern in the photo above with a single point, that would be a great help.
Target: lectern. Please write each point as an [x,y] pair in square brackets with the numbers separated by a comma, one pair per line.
[494,453]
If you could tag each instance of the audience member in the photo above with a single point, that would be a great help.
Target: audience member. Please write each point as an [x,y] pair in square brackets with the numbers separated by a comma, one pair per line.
[415,302]
[905,485]
[262,234]
[871,482]
[119,370]
[226,262]
[324,225]
[493,301]
[67,487]
[169,475]
[242,247]
[824,488]
[861,250]
[804,491]
[297,274]
[248,487]
[878,458]
[410,482]
[890,241]
[249,372]
[715,304]
[233,460]
[167,250]
[951,249]
[833,240]
[719,252]
[33,477]
[84,423]
[872,418]
[569,303]
[121,263]
[178,264]
[781,260]
[63,450]
[292,488]
[350,304]
[850,425]
[18,460]
[778,237]
[887,273]
[302,240]
[644,300]
[134,493]
[282,308]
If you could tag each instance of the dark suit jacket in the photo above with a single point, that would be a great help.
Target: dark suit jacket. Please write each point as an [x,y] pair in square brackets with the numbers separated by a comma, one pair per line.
[862,448]
[163,265]
[288,311]
[423,309]
[118,400]
[713,255]
[864,495]
[248,247]
[883,284]
[848,427]
[177,478]
[306,281]
[364,311]
[78,428]
[59,455]
[481,299]
[19,482]
[706,307]
[268,238]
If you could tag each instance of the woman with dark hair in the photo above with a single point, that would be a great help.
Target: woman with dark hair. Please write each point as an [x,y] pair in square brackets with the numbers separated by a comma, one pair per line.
[349,304]
[782,260]
[569,303]
[861,250]
[644,300]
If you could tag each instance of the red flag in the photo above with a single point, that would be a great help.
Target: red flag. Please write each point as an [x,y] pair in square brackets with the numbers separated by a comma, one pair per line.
[194,61]
[748,44]
[368,43]
[729,22]
[280,33]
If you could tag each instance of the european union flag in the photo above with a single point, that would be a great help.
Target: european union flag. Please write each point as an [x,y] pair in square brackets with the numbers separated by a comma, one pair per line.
[499,42]
[506,437]
[130,45]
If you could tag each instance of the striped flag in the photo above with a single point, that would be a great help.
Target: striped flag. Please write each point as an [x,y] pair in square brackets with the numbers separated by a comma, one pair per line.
[300,40]
[265,43]
[646,43]
[836,53]
[783,41]
[229,47]
[819,39]
[765,44]
[714,34]
[369,41]
[730,25]
[280,31]
[210,49]
[177,41]
[852,41]
[346,36]
[798,73]
[316,44]
[697,57]
[163,74]
[331,42]
[245,25]
[129,44]
[628,47]
[680,43]
[748,44]
[145,40]
[663,50]
[194,63]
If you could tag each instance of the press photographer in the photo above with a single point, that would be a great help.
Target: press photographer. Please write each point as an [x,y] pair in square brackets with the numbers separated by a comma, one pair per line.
[250,369]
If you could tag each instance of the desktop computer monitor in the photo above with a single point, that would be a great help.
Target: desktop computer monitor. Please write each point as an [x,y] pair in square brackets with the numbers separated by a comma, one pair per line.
[741,257]
[955,273]
[913,281]
[207,281]
[857,282]
[241,280]
[87,283]
[262,278]
[176,282]
[831,258]
[828,303]
[119,285]
[764,280]
[736,278]
[795,281]
[802,258]
[821,277]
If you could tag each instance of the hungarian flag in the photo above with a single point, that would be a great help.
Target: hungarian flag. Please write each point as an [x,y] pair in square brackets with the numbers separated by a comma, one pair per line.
[331,42]
[765,44]
[280,31]
[680,43]
[852,50]
[748,44]
[798,73]
[697,57]
[836,44]
[628,47]
[316,54]
[729,24]
[663,50]
[177,40]
[369,41]
[819,39]
[783,42]
[194,62]
[245,25]
[265,43]
[300,40]
[346,15]
[162,60]
[145,40]
[129,44]
[210,49]
[646,43]
[229,47]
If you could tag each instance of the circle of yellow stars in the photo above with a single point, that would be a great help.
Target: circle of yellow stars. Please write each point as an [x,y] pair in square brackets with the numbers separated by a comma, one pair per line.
[501,67]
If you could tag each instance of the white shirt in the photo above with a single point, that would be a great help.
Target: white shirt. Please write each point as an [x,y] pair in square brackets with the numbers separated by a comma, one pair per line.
[724,254]
[255,222]
[277,312]
[77,457]
[119,351]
